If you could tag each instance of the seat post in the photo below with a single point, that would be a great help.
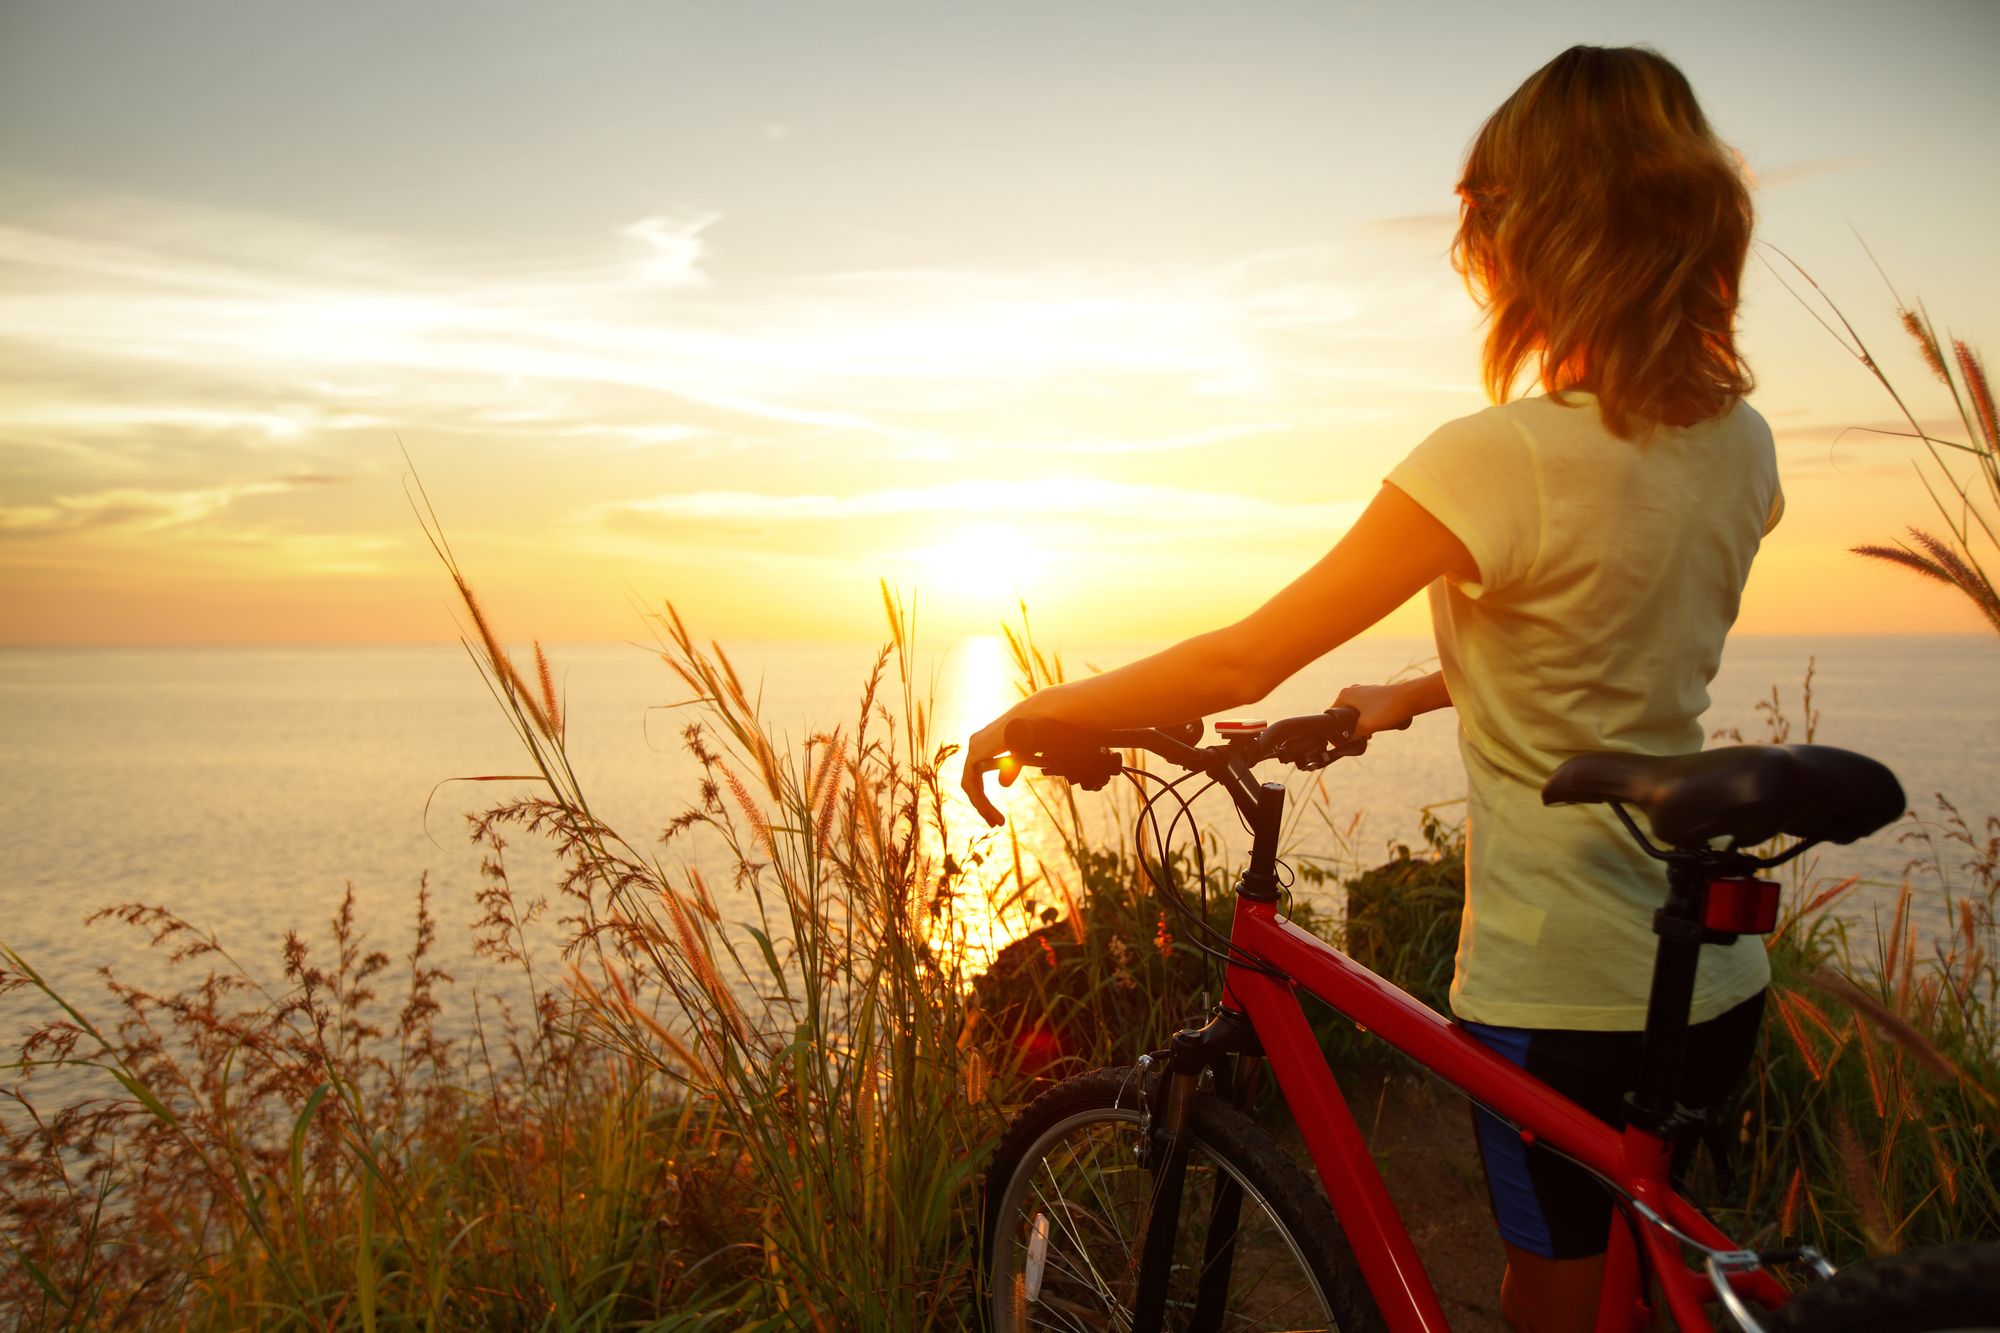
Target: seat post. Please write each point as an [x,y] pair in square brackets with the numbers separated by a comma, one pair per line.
[1678,924]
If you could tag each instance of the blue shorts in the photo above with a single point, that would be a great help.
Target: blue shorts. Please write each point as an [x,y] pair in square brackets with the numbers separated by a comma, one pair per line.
[1548,1205]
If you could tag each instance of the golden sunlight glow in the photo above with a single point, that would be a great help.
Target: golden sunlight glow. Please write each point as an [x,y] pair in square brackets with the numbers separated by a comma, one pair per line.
[986,561]
[976,685]
[1135,453]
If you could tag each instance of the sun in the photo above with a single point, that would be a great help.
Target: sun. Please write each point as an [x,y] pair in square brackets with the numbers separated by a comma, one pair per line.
[984,562]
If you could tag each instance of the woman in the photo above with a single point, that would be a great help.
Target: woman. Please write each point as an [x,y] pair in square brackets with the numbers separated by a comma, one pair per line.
[1585,552]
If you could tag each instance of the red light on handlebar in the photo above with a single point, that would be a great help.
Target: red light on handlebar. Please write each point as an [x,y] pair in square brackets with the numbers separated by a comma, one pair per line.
[1745,906]
[1240,726]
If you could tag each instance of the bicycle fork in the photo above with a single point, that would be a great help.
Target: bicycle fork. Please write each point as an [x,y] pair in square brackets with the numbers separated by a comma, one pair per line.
[1227,1045]
[1163,1215]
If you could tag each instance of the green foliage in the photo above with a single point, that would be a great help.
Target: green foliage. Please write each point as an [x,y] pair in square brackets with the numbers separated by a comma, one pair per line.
[1870,1122]
[1403,916]
[1101,984]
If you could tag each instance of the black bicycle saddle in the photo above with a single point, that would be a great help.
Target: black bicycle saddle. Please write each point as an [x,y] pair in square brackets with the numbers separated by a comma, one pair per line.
[1750,793]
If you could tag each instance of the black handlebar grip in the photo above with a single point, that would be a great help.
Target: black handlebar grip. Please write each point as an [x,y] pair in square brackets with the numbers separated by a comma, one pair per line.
[1064,751]
[1033,735]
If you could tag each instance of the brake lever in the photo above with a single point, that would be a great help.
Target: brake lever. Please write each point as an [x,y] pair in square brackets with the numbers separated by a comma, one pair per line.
[1088,771]
[1309,753]
[1359,745]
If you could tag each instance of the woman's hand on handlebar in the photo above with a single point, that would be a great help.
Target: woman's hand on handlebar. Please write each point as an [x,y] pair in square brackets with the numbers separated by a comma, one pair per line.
[1390,707]
[983,755]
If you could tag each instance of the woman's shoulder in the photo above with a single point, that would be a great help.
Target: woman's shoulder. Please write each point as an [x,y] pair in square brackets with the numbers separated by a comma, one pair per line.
[1477,462]
[1572,418]
[1554,426]
[1498,424]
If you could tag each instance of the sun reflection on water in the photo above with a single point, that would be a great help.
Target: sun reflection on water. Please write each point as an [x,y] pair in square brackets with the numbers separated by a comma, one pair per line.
[1022,862]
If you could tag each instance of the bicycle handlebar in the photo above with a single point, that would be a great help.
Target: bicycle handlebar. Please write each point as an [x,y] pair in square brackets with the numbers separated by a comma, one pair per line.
[1090,758]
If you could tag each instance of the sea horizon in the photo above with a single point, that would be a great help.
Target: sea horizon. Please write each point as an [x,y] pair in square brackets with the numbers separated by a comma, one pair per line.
[247,786]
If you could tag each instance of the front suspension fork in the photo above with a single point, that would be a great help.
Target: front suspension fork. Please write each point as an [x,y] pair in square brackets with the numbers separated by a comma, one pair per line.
[1228,1045]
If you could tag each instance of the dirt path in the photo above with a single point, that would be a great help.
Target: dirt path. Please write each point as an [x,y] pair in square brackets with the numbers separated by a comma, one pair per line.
[1421,1135]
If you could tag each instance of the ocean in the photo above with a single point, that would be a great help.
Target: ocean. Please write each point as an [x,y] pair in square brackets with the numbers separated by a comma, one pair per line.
[247,788]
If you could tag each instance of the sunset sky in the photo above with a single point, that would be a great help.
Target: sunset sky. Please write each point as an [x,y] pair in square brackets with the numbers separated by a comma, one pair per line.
[1122,308]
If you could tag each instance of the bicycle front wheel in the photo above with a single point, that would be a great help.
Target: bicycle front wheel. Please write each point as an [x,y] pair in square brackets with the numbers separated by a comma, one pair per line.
[1945,1289]
[1066,1200]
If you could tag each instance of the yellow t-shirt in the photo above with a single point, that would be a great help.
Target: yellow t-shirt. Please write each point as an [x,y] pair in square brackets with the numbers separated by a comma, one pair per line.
[1609,574]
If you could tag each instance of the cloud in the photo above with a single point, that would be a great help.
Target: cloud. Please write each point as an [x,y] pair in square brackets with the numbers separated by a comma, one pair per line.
[148,367]
[92,417]
[1193,439]
[678,248]
[1791,173]
[1019,501]
[137,509]
[582,345]
[1434,229]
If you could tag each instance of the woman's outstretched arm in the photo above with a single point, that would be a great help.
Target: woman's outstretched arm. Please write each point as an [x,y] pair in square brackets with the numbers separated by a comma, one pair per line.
[1393,549]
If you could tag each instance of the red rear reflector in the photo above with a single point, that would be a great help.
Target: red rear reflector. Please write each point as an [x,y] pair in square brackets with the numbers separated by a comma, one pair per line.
[1238,726]
[1746,906]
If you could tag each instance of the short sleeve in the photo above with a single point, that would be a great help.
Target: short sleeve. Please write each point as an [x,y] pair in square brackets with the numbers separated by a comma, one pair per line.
[1777,509]
[1478,476]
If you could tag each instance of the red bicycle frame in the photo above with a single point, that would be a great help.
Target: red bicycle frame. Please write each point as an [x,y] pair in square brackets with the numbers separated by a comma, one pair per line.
[1635,1162]
[1269,958]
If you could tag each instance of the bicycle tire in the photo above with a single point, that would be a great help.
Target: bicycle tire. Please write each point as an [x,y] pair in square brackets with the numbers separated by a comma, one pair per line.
[1069,1160]
[1939,1289]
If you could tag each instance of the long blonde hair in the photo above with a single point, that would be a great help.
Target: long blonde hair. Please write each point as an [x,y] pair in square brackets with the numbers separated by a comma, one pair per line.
[1603,228]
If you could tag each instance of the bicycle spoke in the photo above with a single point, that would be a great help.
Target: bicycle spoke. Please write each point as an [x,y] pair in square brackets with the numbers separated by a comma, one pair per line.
[1061,1213]
[1078,1179]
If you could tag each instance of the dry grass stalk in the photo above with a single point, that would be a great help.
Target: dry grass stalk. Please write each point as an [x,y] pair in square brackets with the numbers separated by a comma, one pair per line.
[1969,507]
[551,710]
[1837,987]
[823,1120]
[1788,1219]
[1870,1063]
[1861,1184]
[292,1156]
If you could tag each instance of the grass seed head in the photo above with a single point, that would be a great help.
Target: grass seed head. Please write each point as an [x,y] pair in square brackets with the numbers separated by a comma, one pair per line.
[1927,344]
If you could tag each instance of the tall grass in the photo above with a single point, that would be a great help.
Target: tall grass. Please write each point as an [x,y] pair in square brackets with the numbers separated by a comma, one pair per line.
[1104,972]
[1963,476]
[754,1101]
[1878,1120]
[821,1039]
[313,1155]
[755,1088]
[1871,1123]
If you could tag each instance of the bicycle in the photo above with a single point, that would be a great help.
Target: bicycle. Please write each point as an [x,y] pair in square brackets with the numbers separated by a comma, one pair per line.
[1144,1198]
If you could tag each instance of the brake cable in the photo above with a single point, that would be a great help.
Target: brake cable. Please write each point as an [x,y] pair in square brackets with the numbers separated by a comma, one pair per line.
[1165,889]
